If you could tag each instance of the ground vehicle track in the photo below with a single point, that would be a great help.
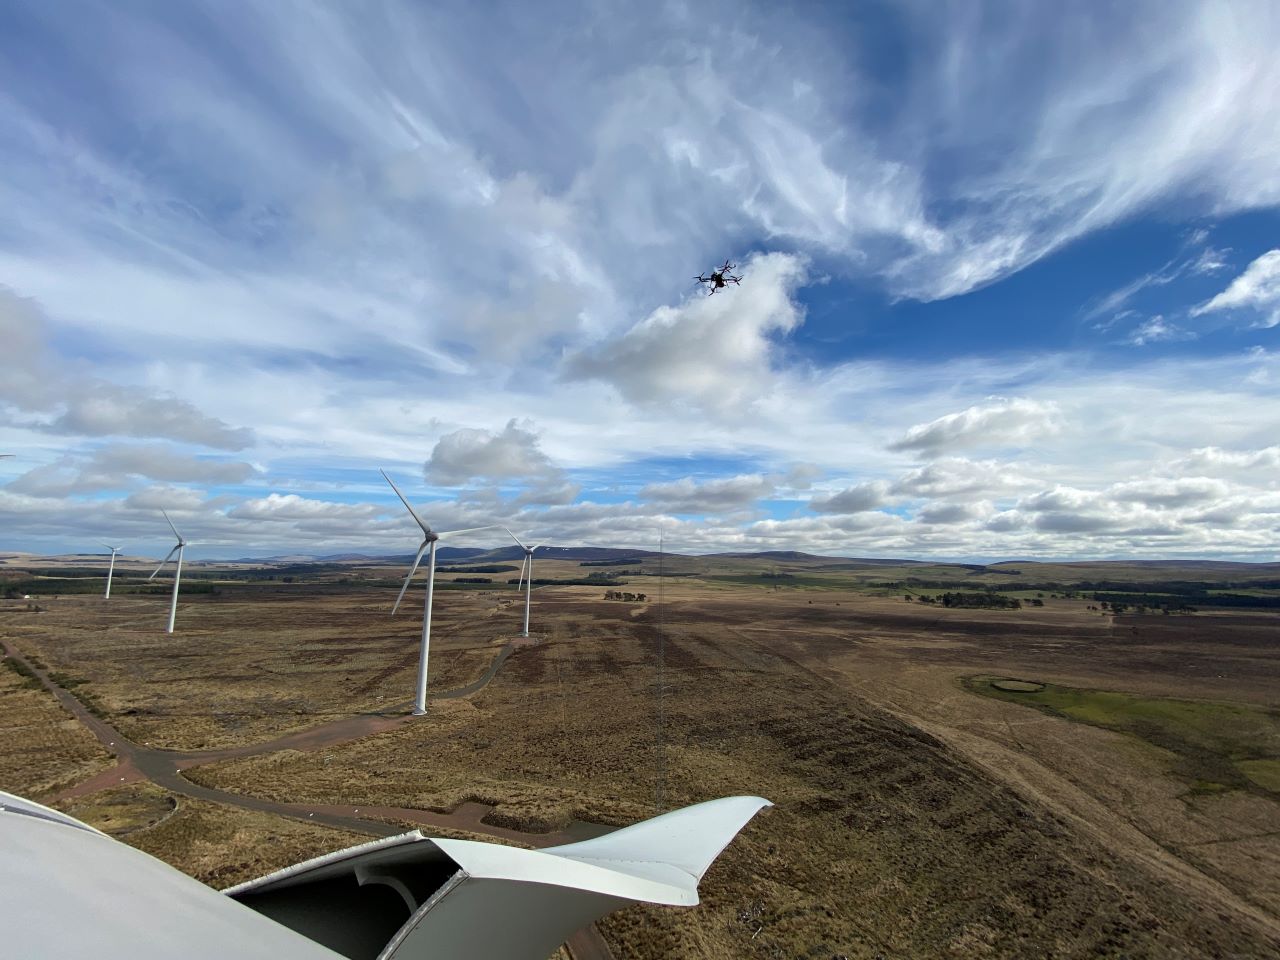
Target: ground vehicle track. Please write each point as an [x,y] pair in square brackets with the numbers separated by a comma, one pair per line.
[163,768]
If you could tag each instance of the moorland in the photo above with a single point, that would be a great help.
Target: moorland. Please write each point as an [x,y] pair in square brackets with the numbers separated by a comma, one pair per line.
[1007,760]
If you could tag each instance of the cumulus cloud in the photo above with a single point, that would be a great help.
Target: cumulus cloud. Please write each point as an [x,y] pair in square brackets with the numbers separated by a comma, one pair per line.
[107,410]
[65,401]
[1257,289]
[801,476]
[998,422]
[953,476]
[121,466]
[949,513]
[711,352]
[1218,460]
[510,454]
[168,498]
[291,508]
[1167,493]
[856,499]
[714,496]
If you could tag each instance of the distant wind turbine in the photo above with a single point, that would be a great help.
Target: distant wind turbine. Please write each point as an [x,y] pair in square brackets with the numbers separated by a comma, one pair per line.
[111,568]
[528,581]
[177,572]
[429,539]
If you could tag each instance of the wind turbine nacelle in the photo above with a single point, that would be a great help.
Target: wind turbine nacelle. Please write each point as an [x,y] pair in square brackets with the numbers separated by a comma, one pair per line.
[67,890]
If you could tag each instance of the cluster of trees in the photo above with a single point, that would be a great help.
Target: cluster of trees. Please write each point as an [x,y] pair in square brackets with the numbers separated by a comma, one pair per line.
[564,582]
[1166,607]
[620,595]
[977,601]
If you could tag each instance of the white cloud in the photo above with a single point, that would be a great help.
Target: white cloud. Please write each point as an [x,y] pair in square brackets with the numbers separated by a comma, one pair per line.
[998,422]
[61,399]
[1221,461]
[954,476]
[291,508]
[1157,329]
[856,499]
[1257,289]
[468,454]
[951,513]
[710,352]
[368,240]
[123,466]
[1166,493]
[713,496]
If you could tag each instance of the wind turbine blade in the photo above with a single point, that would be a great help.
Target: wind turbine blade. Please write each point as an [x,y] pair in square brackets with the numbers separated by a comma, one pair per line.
[514,537]
[163,562]
[535,547]
[172,527]
[412,570]
[450,533]
[426,527]
[520,582]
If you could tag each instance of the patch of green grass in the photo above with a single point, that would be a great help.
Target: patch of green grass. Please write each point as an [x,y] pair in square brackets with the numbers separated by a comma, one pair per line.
[1203,787]
[29,679]
[1220,746]
[1265,773]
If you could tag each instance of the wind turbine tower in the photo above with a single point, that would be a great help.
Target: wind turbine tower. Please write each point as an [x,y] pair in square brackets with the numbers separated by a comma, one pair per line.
[111,568]
[528,585]
[177,571]
[428,546]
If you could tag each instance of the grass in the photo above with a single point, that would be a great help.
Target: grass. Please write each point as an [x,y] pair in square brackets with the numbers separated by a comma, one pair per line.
[1265,773]
[218,845]
[44,748]
[29,679]
[885,840]
[1220,746]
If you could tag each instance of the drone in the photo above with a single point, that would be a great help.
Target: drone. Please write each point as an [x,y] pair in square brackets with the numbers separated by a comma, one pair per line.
[719,278]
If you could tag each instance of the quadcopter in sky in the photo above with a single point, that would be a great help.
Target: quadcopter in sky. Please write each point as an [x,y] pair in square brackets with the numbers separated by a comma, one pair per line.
[719,278]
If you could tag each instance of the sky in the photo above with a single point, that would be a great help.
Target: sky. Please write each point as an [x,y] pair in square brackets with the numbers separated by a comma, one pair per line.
[1010,276]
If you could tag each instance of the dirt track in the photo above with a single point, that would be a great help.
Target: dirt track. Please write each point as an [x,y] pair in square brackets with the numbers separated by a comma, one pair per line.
[163,768]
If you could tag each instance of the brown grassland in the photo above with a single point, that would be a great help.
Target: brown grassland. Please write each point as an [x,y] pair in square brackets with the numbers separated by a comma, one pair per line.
[914,816]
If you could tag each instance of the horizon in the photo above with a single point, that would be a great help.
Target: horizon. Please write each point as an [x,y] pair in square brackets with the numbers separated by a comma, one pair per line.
[991,306]
[465,555]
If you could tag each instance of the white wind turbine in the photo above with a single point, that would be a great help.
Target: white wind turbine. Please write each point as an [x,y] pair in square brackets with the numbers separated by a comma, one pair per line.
[177,572]
[111,568]
[429,539]
[527,580]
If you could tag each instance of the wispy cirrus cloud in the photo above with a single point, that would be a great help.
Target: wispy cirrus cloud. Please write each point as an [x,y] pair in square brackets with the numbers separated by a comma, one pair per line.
[1256,290]
[375,236]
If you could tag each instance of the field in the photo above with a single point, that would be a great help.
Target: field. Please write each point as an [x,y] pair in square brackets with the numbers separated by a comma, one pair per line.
[1118,799]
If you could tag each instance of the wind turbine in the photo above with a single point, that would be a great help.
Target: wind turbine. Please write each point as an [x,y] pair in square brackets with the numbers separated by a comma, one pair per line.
[110,569]
[429,538]
[177,572]
[528,586]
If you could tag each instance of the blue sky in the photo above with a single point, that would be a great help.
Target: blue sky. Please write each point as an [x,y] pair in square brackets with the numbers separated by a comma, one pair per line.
[1011,276]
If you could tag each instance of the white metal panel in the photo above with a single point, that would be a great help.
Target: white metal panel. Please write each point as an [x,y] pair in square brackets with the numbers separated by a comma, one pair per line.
[498,920]
[69,891]
[675,848]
